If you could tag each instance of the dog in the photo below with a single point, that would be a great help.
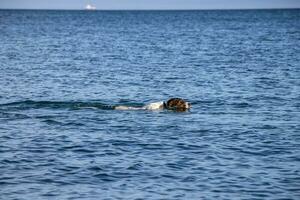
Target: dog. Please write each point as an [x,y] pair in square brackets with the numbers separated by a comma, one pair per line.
[175,104]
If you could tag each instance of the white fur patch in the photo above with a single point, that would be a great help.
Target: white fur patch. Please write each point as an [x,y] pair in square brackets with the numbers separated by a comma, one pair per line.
[187,105]
[155,106]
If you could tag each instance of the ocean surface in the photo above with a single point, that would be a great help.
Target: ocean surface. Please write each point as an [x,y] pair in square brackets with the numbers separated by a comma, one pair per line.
[62,72]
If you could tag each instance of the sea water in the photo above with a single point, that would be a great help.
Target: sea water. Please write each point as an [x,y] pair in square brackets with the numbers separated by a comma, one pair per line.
[62,72]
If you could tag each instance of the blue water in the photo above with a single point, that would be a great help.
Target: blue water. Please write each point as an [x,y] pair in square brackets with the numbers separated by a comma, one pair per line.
[61,73]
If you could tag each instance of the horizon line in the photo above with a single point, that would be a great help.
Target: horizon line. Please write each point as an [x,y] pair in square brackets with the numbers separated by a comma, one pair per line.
[192,9]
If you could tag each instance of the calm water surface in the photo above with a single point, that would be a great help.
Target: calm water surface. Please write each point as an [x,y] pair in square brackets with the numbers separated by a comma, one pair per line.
[62,71]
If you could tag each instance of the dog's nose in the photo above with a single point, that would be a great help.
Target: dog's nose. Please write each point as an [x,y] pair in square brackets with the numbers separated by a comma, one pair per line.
[188,105]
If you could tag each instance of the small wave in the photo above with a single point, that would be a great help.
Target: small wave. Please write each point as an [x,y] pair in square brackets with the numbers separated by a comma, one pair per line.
[241,105]
[52,122]
[8,115]
[29,104]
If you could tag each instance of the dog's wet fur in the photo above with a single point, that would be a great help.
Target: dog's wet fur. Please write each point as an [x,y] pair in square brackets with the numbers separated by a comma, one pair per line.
[177,104]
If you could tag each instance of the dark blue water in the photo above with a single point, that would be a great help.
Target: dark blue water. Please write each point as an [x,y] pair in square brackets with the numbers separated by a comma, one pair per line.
[63,71]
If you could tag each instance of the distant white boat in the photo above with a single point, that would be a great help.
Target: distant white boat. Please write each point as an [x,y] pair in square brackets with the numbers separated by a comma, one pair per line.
[90,7]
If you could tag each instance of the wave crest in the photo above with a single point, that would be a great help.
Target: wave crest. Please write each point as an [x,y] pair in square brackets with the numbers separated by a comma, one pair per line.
[30,104]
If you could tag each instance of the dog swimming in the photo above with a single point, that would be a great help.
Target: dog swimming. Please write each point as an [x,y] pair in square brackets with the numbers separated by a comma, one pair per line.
[175,104]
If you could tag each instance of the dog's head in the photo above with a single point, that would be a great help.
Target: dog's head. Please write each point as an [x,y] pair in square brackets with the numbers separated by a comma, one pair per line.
[177,104]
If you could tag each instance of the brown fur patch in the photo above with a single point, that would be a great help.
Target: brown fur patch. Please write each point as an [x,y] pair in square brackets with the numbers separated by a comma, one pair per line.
[176,104]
